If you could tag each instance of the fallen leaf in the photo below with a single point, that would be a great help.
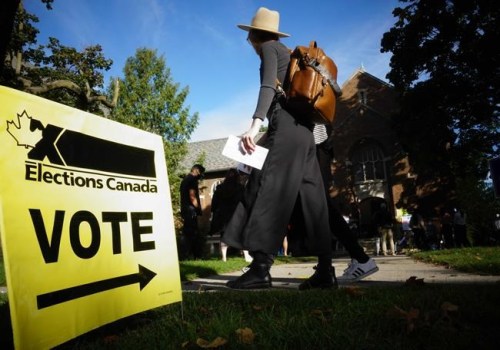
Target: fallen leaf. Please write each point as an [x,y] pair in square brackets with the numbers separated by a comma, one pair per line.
[448,307]
[205,344]
[396,312]
[413,314]
[414,281]
[204,310]
[317,312]
[409,316]
[354,291]
[257,307]
[110,339]
[245,335]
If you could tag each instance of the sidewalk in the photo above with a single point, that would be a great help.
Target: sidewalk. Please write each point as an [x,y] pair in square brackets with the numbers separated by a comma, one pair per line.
[393,270]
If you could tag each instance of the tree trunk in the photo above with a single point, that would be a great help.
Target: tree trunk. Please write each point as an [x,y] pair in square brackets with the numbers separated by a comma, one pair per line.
[8,10]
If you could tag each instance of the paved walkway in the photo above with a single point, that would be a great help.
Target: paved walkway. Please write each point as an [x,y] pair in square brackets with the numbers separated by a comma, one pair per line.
[392,271]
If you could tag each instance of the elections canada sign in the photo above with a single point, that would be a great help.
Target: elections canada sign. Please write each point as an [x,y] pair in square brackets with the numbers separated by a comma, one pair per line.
[86,220]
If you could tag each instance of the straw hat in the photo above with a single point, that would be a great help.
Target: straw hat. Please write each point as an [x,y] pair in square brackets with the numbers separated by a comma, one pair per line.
[265,20]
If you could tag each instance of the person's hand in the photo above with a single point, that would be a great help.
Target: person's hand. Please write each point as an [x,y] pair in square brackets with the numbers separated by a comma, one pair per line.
[247,143]
[247,139]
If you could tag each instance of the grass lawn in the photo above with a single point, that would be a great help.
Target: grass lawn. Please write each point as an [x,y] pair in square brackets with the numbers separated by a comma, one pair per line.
[403,317]
[480,260]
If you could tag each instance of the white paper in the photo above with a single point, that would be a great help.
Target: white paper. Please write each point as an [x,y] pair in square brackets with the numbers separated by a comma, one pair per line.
[243,168]
[233,150]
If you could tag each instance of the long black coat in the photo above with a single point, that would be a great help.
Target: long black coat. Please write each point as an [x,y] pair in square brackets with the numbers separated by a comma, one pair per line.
[290,178]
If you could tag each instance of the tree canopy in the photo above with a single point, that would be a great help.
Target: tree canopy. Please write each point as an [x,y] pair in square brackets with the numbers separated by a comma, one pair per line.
[445,64]
[150,100]
[54,71]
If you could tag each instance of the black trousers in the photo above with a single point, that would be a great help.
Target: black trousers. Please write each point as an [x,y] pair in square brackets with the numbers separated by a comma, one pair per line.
[290,179]
[338,225]
[190,234]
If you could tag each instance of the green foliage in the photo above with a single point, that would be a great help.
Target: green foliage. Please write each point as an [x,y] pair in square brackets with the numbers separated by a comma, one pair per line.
[54,71]
[479,203]
[201,158]
[445,66]
[150,100]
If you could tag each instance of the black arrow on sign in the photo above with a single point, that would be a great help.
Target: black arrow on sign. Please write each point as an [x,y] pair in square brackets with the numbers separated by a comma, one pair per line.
[60,296]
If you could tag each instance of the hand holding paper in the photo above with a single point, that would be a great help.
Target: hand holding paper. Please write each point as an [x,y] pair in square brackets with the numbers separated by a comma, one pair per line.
[233,150]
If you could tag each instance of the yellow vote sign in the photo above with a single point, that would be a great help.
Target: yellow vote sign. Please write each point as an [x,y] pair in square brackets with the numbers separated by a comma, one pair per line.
[85,220]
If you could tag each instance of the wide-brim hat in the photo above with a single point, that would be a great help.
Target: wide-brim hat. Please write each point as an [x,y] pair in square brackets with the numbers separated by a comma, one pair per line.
[266,20]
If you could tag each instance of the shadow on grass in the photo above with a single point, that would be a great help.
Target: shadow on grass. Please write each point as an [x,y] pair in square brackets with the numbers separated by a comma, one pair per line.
[6,340]
[187,272]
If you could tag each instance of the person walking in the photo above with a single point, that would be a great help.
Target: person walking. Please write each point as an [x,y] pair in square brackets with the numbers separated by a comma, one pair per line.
[190,210]
[289,182]
[226,197]
[361,264]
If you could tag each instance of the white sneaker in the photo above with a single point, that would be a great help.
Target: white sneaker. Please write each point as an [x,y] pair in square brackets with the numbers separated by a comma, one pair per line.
[356,271]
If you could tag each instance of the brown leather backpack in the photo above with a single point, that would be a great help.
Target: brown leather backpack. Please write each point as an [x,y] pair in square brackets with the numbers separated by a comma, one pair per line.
[310,87]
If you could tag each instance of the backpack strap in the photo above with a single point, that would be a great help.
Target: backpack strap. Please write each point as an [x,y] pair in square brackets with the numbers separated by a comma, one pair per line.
[314,64]
[279,88]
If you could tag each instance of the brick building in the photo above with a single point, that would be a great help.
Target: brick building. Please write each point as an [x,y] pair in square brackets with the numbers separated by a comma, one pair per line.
[369,166]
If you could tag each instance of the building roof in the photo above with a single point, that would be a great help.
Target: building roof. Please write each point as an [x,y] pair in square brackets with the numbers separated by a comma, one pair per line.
[209,153]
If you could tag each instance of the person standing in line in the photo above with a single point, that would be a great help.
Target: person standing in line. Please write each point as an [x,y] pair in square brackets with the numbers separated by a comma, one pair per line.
[496,229]
[361,265]
[417,226]
[226,197]
[447,229]
[384,221]
[289,181]
[460,228]
[190,210]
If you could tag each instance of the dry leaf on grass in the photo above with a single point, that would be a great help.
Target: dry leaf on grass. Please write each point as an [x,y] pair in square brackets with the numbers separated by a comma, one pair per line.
[204,310]
[205,344]
[447,306]
[245,335]
[354,291]
[110,339]
[414,281]
[257,307]
[318,314]
[409,316]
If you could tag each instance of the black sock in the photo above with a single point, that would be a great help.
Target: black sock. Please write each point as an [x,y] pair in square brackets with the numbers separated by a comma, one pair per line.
[324,262]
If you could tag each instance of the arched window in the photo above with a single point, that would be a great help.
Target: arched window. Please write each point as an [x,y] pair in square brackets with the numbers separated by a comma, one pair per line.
[368,163]
[214,186]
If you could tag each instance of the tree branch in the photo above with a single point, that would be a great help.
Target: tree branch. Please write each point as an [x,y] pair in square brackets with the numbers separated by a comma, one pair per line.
[69,85]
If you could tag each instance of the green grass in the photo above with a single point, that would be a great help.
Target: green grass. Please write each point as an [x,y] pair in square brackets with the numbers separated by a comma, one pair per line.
[411,316]
[423,317]
[480,260]
[2,274]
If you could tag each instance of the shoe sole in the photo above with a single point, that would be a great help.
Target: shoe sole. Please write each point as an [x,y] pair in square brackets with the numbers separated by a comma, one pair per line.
[359,278]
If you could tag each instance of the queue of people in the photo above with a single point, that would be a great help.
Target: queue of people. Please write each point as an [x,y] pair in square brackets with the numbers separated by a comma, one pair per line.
[286,204]
[287,196]
[445,231]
